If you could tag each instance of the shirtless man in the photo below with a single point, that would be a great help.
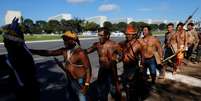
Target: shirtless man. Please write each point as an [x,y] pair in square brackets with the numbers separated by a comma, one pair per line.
[170,40]
[150,44]
[193,39]
[181,37]
[107,74]
[76,61]
[199,48]
[131,52]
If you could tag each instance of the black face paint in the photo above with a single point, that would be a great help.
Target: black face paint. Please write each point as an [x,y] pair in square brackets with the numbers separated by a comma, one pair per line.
[69,43]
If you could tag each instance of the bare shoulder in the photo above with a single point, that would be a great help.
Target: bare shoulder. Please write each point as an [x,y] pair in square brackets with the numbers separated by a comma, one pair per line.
[95,44]
[140,40]
[111,42]
[154,38]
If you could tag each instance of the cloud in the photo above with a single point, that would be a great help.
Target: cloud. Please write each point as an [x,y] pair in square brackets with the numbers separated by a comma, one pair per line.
[108,7]
[78,1]
[144,9]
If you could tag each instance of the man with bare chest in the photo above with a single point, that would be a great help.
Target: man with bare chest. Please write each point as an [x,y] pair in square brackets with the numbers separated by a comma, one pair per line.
[170,41]
[193,40]
[131,50]
[150,44]
[182,40]
[77,65]
[107,75]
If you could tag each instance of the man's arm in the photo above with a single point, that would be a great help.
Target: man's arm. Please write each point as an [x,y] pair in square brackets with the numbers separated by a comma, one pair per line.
[47,52]
[159,48]
[196,40]
[117,53]
[85,60]
[91,49]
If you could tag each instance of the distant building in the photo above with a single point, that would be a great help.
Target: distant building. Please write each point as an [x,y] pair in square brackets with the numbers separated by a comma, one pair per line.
[97,19]
[153,21]
[10,14]
[60,17]
[126,20]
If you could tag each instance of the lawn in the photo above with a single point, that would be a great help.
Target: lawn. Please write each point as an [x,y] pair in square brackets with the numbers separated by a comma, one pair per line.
[36,37]
[42,37]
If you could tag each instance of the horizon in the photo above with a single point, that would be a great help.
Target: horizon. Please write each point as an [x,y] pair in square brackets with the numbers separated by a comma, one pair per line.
[170,10]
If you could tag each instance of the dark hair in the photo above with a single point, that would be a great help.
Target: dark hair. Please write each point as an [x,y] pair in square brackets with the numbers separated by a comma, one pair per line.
[170,24]
[191,24]
[180,24]
[148,27]
[105,30]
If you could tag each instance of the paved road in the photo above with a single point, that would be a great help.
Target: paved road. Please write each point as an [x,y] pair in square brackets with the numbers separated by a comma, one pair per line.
[50,76]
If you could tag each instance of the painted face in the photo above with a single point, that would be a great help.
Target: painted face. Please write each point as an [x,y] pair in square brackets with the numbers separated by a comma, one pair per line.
[129,37]
[102,37]
[145,31]
[69,43]
[170,28]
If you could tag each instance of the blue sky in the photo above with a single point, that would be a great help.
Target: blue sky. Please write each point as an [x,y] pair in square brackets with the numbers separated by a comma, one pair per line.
[138,9]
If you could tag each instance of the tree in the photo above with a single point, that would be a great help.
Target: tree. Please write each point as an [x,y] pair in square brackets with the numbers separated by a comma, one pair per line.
[142,24]
[91,26]
[162,26]
[40,26]
[1,31]
[108,25]
[53,26]
[154,27]
[135,25]
[28,22]
[121,26]
[36,29]
[78,24]
[114,27]
[28,25]
[74,25]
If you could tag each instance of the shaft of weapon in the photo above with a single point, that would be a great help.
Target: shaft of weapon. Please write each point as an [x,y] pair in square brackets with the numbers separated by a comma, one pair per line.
[59,64]
[190,16]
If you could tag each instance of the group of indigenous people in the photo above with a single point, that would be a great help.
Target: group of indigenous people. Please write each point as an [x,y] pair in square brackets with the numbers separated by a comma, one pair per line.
[137,55]
[180,44]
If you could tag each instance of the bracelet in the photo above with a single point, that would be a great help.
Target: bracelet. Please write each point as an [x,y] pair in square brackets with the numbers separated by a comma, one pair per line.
[86,84]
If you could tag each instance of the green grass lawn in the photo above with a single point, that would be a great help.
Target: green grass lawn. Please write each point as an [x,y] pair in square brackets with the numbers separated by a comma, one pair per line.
[158,32]
[35,37]
[43,37]
[38,37]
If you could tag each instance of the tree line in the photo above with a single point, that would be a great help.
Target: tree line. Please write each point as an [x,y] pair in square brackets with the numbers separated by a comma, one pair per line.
[28,26]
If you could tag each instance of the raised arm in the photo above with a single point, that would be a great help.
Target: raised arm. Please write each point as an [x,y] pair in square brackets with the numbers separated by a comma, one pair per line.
[92,48]
[47,52]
